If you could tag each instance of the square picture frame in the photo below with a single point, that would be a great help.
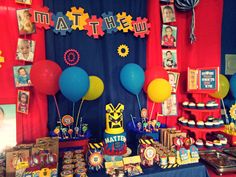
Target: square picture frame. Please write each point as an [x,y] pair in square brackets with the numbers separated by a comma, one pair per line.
[168,13]
[173,80]
[27,2]
[22,76]
[25,26]
[7,126]
[23,99]
[169,36]
[25,50]
[169,106]
[169,59]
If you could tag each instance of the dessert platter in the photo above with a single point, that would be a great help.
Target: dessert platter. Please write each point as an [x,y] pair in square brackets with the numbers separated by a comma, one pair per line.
[220,162]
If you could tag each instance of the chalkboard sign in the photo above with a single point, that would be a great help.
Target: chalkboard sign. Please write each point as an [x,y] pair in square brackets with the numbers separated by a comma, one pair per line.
[205,80]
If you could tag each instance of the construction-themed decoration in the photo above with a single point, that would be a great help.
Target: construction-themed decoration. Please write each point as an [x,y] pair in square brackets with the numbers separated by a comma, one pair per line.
[94,156]
[41,17]
[232,111]
[115,168]
[125,22]
[123,50]
[147,151]
[62,24]
[114,119]
[67,120]
[109,23]
[132,165]
[94,27]
[71,57]
[2,59]
[141,27]
[78,18]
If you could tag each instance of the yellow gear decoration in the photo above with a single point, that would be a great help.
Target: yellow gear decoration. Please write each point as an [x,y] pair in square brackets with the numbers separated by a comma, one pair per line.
[81,20]
[125,22]
[232,111]
[123,50]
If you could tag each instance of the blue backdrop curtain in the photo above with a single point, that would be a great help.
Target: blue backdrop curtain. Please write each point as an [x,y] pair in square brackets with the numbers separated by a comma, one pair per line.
[98,57]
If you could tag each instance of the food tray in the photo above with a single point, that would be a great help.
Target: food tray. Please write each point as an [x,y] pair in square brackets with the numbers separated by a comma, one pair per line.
[219,161]
[231,151]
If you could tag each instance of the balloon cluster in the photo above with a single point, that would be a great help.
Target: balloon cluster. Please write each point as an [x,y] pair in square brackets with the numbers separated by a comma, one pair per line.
[154,81]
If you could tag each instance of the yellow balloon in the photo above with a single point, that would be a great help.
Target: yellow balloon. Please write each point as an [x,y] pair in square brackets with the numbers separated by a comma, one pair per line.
[223,88]
[95,90]
[159,90]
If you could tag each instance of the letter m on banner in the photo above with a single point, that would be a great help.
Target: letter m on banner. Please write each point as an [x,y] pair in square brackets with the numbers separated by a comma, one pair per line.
[41,17]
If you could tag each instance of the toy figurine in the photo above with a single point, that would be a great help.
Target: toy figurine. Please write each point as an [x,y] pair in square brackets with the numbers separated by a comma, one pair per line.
[139,126]
[144,115]
[64,133]
[84,129]
[76,131]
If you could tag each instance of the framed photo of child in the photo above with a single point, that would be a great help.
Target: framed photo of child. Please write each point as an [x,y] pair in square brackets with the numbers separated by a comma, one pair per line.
[169,59]
[25,26]
[173,80]
[23,101]
[168,13]
[169,106]
[169,36]
[28,2]
[25,50]
[22,76]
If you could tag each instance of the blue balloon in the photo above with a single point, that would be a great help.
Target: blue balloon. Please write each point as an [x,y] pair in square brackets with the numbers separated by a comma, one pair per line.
[132,78]
[74,83]
[233,85]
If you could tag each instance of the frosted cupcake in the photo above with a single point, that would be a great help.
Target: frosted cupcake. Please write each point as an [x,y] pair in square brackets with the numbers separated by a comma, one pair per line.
[200,105]
[221,122]
[185,104]
[185,122]
[200,124]
[208,124]
[216,123]
[216,105]
[192,105]
[181,119]
[209,144]
[210,119]
[211,105]
[217,143]
[199,143]
[223,141]
[191,123]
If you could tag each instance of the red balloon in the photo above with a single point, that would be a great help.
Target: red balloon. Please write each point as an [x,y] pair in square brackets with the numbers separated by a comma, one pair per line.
[45,75]
[154,73]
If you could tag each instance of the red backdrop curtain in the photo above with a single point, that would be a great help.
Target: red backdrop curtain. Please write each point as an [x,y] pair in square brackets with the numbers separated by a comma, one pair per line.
[205,52]
[33,125]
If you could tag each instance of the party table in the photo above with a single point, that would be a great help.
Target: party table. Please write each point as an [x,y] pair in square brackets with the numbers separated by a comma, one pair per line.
[191,170]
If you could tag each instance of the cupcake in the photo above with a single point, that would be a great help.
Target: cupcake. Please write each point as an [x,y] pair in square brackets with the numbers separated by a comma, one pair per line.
[211,105]
[217,143]
[209,124]
[199,143]
[210,119]
[192,105]
[181,119]
[200,105]
[185,104]
[185,122]
[223,141]
[216,123]
[209,144]
[191,123]
[221,122]
[200,124]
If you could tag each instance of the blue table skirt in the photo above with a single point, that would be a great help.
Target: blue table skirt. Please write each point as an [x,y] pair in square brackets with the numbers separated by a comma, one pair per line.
[191,170]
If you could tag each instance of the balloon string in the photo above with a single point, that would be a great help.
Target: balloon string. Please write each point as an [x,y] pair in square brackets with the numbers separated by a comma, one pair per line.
[226,115]
[192,35]
[58,111]
[153,105]
[80,106]
[73,112]
[139,105]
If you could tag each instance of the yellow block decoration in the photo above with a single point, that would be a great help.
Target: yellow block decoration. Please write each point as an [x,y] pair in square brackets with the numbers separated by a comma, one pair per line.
[114,119]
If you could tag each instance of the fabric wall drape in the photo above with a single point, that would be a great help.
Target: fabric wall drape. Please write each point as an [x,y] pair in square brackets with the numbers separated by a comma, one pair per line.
[33,125]
[98,57]
[205,52]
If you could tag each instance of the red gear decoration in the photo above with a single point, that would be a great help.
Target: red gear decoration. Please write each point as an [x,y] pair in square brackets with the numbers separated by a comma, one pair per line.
[89,28]
[141,33]
[38,24]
